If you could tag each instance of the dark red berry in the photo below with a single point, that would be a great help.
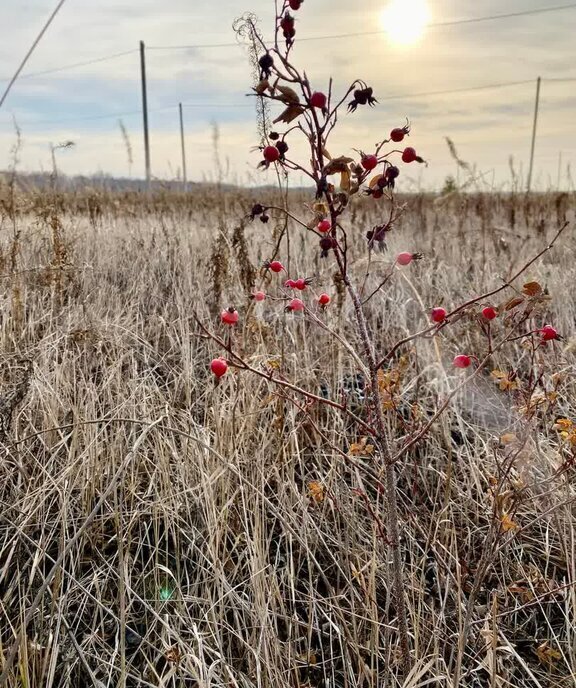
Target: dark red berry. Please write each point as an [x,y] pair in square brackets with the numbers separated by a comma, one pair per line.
[218,366]
[399,133]
[409,155]
[282,147]
[318,100]
[275,266]
[271,153]
[295,4]
[438,315]
[266,62]
[287,22]
[548,333]
[369,162]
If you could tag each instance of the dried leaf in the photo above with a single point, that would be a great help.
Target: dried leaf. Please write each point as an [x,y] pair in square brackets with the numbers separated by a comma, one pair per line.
[264,85]
[289,114]
[508,523]
[289,95]
[508,438]
[173,654]
[374,181]
[345,180]
[361,448]
[563,424]
[316,490]
[547,655]
[337,165]
[531,288]
[516,301]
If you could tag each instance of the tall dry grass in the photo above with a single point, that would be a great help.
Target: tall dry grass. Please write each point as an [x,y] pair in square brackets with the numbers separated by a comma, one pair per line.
[191,549]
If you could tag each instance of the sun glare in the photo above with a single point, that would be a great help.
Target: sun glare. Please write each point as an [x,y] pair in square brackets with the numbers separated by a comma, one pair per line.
[405,21]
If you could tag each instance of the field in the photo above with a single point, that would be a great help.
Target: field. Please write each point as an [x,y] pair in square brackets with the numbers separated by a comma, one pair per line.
[158,529]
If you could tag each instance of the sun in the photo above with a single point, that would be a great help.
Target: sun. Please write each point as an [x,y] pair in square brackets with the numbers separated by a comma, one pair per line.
[405,21]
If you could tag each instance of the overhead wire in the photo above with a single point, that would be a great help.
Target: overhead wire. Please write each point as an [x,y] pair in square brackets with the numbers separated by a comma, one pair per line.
[403,96]
[453,22]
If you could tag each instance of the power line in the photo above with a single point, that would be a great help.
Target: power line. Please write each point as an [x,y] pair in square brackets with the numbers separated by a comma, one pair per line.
[404,96]
[31,50]
[503,84]
[113,56]
[455,22]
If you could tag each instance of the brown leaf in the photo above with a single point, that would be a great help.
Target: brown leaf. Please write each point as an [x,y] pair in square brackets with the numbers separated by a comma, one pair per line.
[374,181]
[508,438]
[547,655]
[173,654]
[516,301]
[508,523]
[337,165]
[361,448]
[316,490]
[345,180]
[531,288]
[289,114]
[289,95]
[264,85]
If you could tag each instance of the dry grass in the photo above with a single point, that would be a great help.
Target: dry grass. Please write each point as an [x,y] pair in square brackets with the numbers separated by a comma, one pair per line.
[192,550]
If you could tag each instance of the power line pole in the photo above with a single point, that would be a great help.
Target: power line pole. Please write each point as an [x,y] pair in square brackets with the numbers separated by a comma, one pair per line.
[536,107]
[145,112]
[183,148]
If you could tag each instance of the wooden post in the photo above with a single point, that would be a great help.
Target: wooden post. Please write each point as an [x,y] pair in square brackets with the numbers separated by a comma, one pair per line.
[145,113]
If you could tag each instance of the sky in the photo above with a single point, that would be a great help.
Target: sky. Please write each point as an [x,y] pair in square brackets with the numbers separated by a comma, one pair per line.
[193,57]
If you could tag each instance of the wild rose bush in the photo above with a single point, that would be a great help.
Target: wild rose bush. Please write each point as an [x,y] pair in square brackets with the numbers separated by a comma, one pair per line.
[511,315]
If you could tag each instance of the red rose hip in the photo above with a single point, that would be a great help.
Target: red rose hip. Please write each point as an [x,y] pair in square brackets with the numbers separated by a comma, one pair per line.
[409,155]
[275,266]
[324,226]
[548,333]
[462,361]
[404,258]
[318,100]
[219,367]
[295,305]
[438,315]
[271,153]
[489,313]
[229,316]
[323,299]
[369,162]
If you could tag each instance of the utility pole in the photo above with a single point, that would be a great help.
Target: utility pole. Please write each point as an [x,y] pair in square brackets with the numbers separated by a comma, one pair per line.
[536,107]
[183,148]
[145,112]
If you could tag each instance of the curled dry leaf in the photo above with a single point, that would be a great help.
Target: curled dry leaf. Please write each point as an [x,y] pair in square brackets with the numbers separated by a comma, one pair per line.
[289,114]
[262,87]
[547,655]
[316,491]
[361,448]
[532,288]
[507,523]
[512,303]
[288,95]
[337,165]
[508,438]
